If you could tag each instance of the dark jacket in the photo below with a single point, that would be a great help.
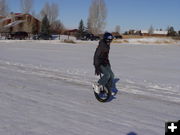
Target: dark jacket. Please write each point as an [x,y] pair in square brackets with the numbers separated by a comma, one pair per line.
[101,56]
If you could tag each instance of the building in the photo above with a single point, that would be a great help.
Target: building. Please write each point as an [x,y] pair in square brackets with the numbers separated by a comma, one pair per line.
[144,32]
[71,32]
[154,33]
[160,33]
[16,22]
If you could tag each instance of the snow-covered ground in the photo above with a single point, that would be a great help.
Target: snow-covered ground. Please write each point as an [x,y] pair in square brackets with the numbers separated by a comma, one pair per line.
[45,89]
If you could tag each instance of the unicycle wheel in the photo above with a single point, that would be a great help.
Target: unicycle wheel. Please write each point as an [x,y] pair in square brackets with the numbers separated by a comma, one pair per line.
[104,95]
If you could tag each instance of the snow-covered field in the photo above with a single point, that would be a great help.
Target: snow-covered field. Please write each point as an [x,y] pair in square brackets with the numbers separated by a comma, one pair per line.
[45,89]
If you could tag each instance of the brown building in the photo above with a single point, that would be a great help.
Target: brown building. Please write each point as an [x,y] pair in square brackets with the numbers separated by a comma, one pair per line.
[16,22]
[71,32]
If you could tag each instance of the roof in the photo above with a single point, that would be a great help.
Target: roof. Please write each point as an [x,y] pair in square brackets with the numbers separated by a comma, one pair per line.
[4,19]
[160,32]
[144,31]
[18,13]
[14,23]
[73,30]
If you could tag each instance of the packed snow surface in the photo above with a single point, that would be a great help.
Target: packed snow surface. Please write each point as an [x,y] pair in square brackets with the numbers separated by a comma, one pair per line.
[45,89]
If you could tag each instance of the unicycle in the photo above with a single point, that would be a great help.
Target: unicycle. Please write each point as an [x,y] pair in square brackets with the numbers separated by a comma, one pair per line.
[104,94]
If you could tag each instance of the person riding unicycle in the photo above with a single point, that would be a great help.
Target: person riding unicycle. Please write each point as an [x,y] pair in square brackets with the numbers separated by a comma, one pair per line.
[102,64]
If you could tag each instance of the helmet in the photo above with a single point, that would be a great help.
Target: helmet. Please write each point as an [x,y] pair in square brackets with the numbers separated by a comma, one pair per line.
[108,36]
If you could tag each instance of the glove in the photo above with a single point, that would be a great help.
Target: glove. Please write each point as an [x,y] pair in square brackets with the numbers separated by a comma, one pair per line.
[97,71]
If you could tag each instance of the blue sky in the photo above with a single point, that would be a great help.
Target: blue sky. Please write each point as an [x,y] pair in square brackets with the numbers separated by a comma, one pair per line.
[129,14]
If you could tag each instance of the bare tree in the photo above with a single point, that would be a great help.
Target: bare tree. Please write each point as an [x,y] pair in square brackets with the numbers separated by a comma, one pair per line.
[57,27]
[26,6]
[97,16]
[151,30]
[3,8]
[51,10]
[117,29]
[36,15]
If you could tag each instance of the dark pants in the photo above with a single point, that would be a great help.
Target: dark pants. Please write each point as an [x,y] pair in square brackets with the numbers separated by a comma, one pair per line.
[108,76]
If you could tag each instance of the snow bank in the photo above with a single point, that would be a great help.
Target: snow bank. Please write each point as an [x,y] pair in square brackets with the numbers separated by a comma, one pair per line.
[148,41]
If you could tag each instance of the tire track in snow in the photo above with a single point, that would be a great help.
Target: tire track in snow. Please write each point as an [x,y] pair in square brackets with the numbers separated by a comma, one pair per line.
[127,87]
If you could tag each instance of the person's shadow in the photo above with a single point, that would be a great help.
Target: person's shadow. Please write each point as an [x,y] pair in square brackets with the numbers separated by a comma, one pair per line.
[131,133]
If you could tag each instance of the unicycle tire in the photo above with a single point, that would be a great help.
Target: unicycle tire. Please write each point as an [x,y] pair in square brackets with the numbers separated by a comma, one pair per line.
[104,95]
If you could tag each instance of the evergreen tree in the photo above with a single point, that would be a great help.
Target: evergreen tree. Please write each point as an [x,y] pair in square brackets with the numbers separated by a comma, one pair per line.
[45,25]
[171,31]
[81,26]
[81,29]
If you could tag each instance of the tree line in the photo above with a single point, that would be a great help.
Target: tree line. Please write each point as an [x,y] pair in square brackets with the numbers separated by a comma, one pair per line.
[170,31]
